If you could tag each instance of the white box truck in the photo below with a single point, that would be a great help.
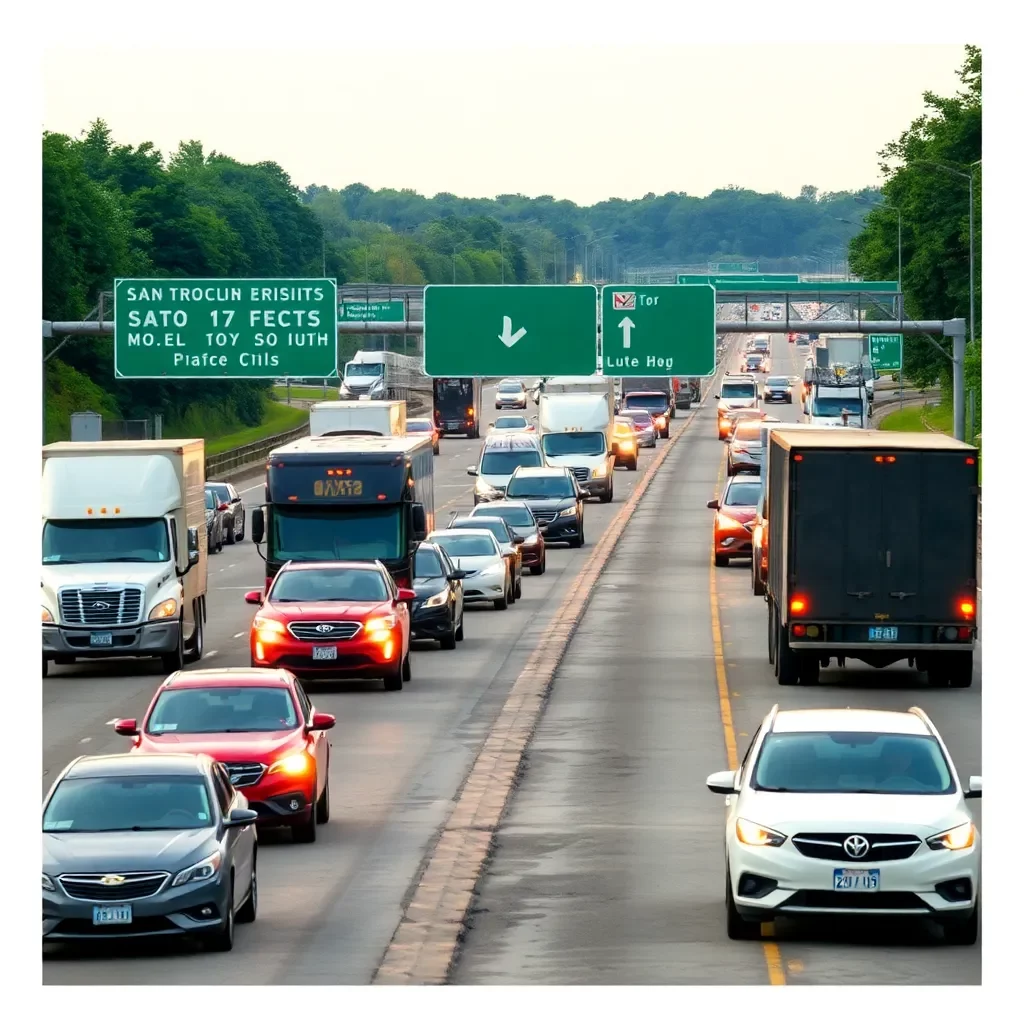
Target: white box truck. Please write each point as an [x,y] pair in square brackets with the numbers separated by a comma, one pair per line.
[576,432]
[124,551]
[386,419]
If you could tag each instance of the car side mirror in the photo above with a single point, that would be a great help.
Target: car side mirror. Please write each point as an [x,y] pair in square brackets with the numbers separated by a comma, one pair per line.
[254,597]
[322,721]
[223,507]
[973,791]
[240,817]
[723,782]
[193,546]
[405,595]
[718,397]
[126,727]
[471,471]
[714,503]
[419,521]
[258,525]
[457,574]
[517,540]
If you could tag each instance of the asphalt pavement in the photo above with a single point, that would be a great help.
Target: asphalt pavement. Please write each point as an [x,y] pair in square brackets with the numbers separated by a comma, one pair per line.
[609,868]
[328,911]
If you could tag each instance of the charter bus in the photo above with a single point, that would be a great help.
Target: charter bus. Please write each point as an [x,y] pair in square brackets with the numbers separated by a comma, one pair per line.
[457,405]
[347,497]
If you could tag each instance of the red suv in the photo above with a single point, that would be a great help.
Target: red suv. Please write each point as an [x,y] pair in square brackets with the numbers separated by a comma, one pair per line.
[334,620]
[261,726]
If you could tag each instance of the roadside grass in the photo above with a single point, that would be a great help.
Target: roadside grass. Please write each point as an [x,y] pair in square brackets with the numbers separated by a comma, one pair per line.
[304,392]
[277,419]
[924,418]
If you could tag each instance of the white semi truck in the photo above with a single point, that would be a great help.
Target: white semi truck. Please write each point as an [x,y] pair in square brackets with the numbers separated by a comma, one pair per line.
[124,551]
[576,432]
[383,375]
[384,418]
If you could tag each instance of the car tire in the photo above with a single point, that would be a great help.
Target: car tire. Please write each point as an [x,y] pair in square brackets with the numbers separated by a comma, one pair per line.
[503,602]
[772,635]
[323,805]
[810,670]
[231,533]
[46,666]
[538,570]
[735,927]
[448,641]
[195,652]
[175,660]
[963,933]
[757,585]
[787,666]
[960,669]
[721,561]
[460,632]
[606,498]
[406,669]
[393,681]
[511,595]
[632,466]
[247,911]
[306,832]
[241,532]
[519,588]
[223,939]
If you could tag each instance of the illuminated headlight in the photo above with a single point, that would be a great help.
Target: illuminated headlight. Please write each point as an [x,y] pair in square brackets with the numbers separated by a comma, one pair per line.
[47,617]
[494,570]
[201,872]
[294,764]
[728,523]
[267,630]
[487,491]
[959,838]
[566,512]
[530,541]
[440,598]
[382,622]
[165,610]
[48,884]
[600,471]
[625,446]
[752,834]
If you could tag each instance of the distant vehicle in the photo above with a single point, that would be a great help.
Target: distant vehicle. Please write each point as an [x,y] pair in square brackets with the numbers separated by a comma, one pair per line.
[376,417]
[734,512]
[755,362]
[510,394]
[262,728]
[135,845]
[555,499]
[576,432]
[654,403]
[744,451]
[861,813]
[514,423]
[643,422]
[738,392]
[518,516]
[625,444]
[778,389]
[216,527]
[233,508]
[457,402]
[509,540]
[500,456]
[382,375]
[334,620]
[476,552]
[438,612]
[425,426]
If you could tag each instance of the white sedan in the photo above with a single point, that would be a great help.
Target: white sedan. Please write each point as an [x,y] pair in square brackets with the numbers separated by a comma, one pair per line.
[841,811]
[517,424]
[478,553]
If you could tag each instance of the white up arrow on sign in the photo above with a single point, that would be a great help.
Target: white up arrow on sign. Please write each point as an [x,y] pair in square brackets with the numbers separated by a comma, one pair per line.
[506,337]
[627,325]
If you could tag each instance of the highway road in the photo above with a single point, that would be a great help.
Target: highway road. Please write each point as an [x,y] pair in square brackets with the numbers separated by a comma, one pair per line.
[328,911]
[609,866]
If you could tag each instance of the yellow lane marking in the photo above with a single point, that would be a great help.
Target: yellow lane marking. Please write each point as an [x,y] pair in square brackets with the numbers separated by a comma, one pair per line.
[772,953]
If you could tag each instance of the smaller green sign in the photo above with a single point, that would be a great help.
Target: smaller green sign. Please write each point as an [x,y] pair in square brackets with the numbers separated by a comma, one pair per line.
[749,267]
[886,351]
[392,311]
[737,280]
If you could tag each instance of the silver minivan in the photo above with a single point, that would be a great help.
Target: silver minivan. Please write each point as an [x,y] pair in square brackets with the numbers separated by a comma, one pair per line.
[500,456]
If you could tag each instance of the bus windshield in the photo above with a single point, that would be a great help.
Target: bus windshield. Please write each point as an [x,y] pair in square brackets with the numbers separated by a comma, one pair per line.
[314,535]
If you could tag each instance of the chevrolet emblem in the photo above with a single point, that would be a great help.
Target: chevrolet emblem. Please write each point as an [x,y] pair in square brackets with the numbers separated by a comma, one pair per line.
[112,880]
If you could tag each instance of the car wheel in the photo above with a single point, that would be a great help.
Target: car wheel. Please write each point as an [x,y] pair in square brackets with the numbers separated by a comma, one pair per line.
[538,570]
[231,533]
[735,926]
[960,669]
[241,532]
[721,560]
[406,669]
[605,498]
[223,940]
[175,660]
[810,670]
[519,588]
[449,639]
[758,586]
[306,832]
[786,664]
[195,652]
[963,933]
[633,465]
[323,805]
[247,911]
[460,633]
[503,602]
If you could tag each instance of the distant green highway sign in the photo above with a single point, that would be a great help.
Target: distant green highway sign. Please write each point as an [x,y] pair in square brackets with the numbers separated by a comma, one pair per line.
[886,351]
[762,288]
[225,328]
[658,330]
[509,330]
[391,311]
[749,267]
[736,280]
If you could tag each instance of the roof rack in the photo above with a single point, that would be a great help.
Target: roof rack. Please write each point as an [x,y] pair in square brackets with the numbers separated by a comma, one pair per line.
[839,376]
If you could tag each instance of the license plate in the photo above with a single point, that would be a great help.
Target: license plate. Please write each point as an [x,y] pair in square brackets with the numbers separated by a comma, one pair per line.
[856,880]
[453,426]
[121,914]
[883,632]
[325,653]
[101,639]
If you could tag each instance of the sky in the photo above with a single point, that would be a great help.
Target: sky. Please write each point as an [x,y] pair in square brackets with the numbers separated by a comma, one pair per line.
[584,123]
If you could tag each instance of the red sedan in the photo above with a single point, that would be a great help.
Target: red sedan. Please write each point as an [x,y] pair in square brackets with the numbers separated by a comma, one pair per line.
[334,620]
[261,726]
[734,518]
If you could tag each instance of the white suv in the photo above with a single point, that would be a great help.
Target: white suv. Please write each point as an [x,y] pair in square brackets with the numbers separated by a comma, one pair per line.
[843,811]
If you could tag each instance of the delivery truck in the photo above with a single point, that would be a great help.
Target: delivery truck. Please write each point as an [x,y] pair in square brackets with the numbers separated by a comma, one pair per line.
[124,551]
[383,419]
[873,551]
[576,431]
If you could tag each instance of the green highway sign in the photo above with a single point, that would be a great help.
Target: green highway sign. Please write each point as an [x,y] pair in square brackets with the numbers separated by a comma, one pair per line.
[886,351]
[666,329]
[732,268]
[760,288]
[736,280]
[392,311]
[516,330]
[225,328]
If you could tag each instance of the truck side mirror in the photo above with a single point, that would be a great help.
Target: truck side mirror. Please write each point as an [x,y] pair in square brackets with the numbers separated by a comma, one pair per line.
[193,546]
[419,521]
[258,525]
[471,471]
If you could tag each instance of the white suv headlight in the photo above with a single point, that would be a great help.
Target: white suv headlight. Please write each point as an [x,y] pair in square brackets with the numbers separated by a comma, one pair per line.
[959,838]
[752,834]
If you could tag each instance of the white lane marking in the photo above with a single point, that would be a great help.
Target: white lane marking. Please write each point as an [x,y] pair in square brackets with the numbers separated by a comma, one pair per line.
[88,739]
[113,721]
[209,654]
[232,565]
[237,635]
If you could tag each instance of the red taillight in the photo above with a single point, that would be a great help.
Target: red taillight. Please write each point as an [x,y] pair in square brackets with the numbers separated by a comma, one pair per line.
[964,632]
[966,609]
[798,605]
[799,630]
[798,458]
[970,461]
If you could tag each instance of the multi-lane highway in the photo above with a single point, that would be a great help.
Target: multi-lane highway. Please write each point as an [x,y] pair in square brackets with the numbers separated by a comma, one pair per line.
[328,911]
[609,865]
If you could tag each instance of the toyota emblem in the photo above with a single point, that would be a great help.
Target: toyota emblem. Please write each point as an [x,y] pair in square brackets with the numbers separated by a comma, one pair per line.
[324,628]
[856,846]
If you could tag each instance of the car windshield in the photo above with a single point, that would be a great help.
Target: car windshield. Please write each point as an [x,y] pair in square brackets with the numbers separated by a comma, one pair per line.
[742,493]
[75,541]
[428,565]
[778,382]
[540,487]
[656,402]
[417,426]
[581,442]
[466,547]
[747,430]
[222,491]
[313,535]
[747,390]
[504,462]
[854,762]
[753,359]
[510,388]
[836,407]
[209,709]
[512,514]
[329,585]
[499,529]
[129,804]
[511,423]
[364,369]
[642,419]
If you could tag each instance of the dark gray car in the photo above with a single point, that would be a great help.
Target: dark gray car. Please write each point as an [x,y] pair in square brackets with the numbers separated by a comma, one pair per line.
[141,845]
[234,513]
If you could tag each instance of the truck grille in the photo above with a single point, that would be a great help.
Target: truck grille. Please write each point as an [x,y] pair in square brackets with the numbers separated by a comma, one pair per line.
[313,631]
[137,885]
[545,517]
[244,774]
[882,846]
[581,473]
[114,607]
